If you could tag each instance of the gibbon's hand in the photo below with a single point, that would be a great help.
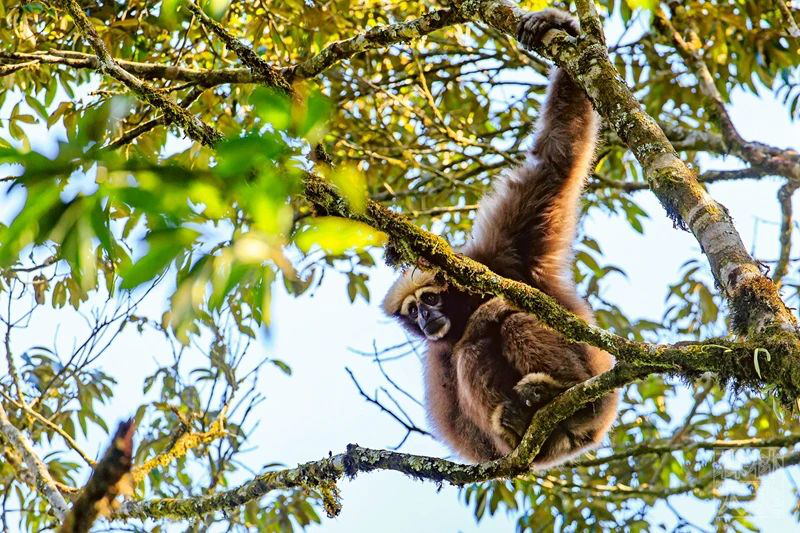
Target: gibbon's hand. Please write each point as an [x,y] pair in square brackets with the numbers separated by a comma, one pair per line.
[534,26]
[538,389]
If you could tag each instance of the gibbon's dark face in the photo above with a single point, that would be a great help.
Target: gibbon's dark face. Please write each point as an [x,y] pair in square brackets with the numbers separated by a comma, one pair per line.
[436,312]
[423,311]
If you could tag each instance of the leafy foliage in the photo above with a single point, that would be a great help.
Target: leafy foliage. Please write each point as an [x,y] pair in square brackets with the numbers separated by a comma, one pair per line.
[422,127]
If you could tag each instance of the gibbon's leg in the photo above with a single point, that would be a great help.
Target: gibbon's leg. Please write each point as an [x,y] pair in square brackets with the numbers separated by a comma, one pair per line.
[484,377]
[444,411]
[483,386]
[530,394]
[525,226]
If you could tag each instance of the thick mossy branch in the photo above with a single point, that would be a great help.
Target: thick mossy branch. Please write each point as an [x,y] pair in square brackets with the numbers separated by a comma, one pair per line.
[686,201]
[732,361]
[378,37]
[264,72]
[356,459]
[325,472]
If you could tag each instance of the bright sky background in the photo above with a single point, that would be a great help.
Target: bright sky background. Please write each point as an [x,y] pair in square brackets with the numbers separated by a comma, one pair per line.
[318,410]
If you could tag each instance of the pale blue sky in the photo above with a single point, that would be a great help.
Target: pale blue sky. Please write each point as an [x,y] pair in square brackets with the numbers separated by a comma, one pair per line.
[318,410]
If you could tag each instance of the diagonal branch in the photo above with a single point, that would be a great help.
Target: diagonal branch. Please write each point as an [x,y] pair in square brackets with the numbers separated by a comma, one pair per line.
[781,162]
[130,135]
[193,126]
[147,71]
[106,482]
[378,37]
[793,29]
[785,199]
[753,298]
[408,243]
[182,446]
[264,72]
[52,427]
[24,448]
[647,448]
[357,459]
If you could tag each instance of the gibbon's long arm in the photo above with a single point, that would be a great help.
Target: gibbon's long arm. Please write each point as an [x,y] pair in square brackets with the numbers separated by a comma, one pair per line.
[525,226]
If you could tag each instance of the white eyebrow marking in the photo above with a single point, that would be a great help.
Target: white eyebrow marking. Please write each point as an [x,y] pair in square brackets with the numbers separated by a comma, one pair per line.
[433,289]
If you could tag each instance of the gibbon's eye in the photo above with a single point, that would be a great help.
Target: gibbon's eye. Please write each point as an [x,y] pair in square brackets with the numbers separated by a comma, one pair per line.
[430,298]
[412,310]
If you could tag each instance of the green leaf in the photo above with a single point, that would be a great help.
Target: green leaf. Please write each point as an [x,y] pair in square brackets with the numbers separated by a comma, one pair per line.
[642,4]
[353,186]
[216,9]
[165,245]
[286,369]
[337,235]
[272,107]
[312,125]
[236,156]
[168,15]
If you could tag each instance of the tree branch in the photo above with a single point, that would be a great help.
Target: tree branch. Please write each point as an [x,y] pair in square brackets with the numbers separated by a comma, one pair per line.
[130,135]
[408,425]
[24,448]
[793,30]
[785,199]
[193,127]
[378,37]
[106,482]
[647,448]
[408,243]
[52,427]
[182,446]
[147,71]
[263,71]
[781,162]
[357,459]
[752,296]
[710,176]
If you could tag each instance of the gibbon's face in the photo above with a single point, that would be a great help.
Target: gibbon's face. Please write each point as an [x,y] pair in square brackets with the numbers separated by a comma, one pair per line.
[425,310]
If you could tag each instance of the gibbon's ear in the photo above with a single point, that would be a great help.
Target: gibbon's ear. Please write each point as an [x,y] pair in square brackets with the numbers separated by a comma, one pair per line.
[408,283]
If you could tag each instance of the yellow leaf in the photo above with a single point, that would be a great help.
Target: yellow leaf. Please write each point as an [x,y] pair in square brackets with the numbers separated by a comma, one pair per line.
[336,235]
[353,186]
[643,4]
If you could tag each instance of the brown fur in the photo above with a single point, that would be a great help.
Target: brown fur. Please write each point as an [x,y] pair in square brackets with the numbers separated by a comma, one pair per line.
[496,365]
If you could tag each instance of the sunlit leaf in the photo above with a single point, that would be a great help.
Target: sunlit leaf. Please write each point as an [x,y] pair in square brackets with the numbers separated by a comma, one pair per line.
[642,4]
[164,246]
[352,185]
[272,106]
[337,235]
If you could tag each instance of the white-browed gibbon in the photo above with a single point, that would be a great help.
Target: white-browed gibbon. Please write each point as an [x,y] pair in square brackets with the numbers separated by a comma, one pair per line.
[489,366]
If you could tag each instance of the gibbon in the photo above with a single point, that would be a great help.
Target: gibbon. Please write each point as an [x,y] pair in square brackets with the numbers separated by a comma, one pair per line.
[490,366]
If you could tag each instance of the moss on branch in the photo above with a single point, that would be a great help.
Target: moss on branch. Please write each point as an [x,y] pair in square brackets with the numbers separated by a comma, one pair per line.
[182,446]
[731,361]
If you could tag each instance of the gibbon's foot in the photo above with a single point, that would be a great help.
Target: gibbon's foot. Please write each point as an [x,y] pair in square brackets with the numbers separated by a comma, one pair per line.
[510,421]
[534,26]
[537,389]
